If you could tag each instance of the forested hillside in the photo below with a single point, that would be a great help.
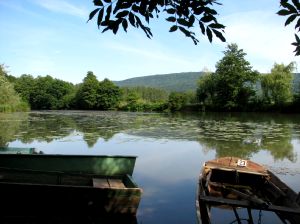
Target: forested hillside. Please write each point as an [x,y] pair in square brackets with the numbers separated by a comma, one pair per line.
[180,82]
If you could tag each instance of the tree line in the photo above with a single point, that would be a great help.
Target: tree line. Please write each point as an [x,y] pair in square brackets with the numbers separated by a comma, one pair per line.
[234,86]
[48,93]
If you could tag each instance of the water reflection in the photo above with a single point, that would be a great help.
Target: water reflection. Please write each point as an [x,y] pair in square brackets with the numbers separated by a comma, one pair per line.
[170,148]
[228,135]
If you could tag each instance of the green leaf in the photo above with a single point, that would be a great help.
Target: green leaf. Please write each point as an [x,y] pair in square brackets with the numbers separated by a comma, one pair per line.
[117,7]
[171,19]
[297,38]
[171,11]
[173,28]
[296,3]
[186,32]
[104,30]
[198,11]
[284,12]
[131,19]
[122,14]
[100,17]
[183,22]
[138,21]
[209,34]
[297,24]
[207,19]
[98,3]
[125,25]
[116,25]
[135,8]
[290,19]
[216,26]
[93,13]
[202,27]
[219,35]
[147,17]
[191,21]
[289,7]
[212,12]
[125,5]
[108,12]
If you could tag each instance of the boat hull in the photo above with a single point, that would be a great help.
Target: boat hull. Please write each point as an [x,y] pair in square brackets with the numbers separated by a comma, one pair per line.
[22,192]
[100,165]
[68,184]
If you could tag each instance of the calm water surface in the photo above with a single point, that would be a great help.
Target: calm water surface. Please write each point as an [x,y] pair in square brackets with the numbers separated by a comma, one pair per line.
[170,148]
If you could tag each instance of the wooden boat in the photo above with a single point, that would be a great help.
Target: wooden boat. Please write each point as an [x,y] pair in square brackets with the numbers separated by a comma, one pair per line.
[233,183]
[68,184]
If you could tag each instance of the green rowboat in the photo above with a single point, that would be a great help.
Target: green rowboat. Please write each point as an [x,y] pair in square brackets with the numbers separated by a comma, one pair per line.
[68,184]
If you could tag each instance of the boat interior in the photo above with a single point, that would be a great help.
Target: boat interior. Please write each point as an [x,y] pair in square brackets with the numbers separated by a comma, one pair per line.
[11,175]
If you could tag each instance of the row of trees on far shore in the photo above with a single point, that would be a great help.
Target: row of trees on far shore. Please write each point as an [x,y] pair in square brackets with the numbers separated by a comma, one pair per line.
[48,93]
[234,86]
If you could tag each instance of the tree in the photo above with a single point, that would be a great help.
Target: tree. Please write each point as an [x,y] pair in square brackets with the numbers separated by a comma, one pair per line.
[176,101]
[206,89]
[9,100]
[182,15]
[277,86]
[147,94]
[87,92]
[24,85]
[108,95]
[232,85]
[44,92]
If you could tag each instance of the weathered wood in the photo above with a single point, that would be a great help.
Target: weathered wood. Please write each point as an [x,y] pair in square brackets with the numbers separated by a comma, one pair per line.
[116,183]
[231,163]
[247,197]
[229,182]
[246,204]
[100,183]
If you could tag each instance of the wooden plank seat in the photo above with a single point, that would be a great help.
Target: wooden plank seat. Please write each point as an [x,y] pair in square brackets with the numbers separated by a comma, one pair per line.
[108,183]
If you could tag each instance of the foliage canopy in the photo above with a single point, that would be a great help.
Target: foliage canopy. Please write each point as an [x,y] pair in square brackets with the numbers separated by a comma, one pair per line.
[277,86]
[182,15]
[9,99]
[231,86]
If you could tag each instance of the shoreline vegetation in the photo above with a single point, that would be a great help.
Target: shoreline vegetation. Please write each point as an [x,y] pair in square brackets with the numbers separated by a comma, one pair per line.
[233,87]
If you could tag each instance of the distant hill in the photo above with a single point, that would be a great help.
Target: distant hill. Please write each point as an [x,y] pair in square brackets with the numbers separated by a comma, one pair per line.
[171,82]
[178,81]
[296,82]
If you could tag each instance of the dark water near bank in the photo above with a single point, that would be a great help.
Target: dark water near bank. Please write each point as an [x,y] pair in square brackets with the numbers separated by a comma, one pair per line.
[170,148]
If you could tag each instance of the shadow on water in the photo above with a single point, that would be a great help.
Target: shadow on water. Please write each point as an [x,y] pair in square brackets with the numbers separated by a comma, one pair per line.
[52,219]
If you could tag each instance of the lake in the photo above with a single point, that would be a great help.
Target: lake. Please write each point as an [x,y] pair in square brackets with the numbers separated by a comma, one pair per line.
[171,149]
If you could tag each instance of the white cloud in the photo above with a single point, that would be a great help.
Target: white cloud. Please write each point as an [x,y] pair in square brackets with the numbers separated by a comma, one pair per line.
[64,7]
[263,37]
[154,53]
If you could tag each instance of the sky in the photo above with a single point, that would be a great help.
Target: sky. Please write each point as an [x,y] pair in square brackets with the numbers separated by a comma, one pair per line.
[52,37]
